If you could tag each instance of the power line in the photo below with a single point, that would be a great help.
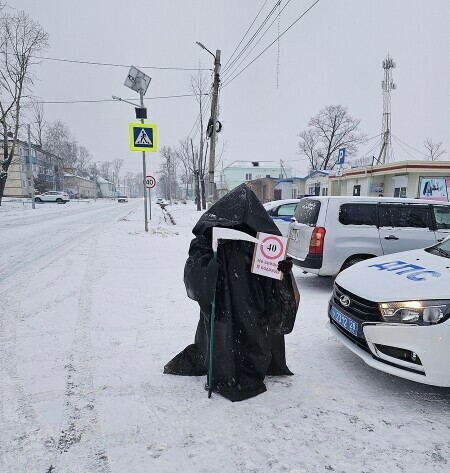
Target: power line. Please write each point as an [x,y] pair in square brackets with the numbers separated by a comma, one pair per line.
[405,150]
[406,144]
[252,38]
[108,100]
[240,42]
[256,44]
[108,64]
[272,43]
[372,137]
[373,147]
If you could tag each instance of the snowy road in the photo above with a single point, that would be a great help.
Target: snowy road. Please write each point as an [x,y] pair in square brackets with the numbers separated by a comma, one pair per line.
[91,308]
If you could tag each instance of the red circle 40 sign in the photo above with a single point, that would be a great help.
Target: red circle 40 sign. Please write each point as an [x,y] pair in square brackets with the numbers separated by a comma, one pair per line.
[150,182]
[272,247]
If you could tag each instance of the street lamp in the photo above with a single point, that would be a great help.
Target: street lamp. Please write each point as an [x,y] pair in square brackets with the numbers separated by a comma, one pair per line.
[214,100]
[205,48]
[123,100]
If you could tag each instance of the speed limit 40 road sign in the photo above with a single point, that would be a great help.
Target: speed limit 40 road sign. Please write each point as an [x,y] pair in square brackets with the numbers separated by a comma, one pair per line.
[150,182]
[270,250]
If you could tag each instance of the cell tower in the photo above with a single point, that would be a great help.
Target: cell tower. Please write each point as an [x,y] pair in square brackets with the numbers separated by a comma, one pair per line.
[387,85]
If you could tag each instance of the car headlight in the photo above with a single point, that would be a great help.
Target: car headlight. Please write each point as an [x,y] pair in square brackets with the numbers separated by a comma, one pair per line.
[416,312]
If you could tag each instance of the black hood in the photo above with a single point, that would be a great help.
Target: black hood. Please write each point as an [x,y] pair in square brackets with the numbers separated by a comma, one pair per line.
[239,209]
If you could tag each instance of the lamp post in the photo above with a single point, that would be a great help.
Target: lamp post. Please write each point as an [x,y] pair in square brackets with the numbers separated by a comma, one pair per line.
[214,101]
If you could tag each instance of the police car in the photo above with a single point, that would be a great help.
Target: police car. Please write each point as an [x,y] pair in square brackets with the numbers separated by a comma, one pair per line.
[393,311]
[282,212]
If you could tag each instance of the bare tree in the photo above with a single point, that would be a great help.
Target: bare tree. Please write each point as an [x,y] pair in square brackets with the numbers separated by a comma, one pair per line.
[38,122]
[21,38]
[433,149]
[187,155]
[84,158]
[168,170]
[117,165]
[59,141]
[199,86]
[105,169]
[332,128]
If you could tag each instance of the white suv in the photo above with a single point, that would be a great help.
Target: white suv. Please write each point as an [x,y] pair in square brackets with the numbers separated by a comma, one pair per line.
[329,234]
[53,196]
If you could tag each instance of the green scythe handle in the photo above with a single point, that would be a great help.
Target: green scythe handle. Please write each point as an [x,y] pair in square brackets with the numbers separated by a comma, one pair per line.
[211,341]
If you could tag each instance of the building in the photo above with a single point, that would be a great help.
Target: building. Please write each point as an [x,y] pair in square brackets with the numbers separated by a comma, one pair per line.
[47,170]
[263,188]
[79,187]
[106,188]
[314,183]
[239,172]
[412,179]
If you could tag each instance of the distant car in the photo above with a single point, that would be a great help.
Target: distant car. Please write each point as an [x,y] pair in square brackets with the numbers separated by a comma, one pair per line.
[122,198]
[394,312]
[159,200]
[281,212]
[53,196]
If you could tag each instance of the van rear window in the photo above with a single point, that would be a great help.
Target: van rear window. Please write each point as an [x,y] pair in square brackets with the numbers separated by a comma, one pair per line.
[307,212]
[358,214]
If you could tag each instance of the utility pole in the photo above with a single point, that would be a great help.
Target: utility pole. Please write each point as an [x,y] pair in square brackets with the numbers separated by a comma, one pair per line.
[387,85]
[33,204]
[212,125]
[214,103]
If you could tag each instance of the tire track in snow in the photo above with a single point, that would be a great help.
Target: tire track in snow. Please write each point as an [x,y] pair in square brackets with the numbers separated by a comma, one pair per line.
[24,434]
[80,447]
[26,438]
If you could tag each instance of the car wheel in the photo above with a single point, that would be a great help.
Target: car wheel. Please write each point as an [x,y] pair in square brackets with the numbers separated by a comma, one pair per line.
[38,200]
[352,261]
[59,200]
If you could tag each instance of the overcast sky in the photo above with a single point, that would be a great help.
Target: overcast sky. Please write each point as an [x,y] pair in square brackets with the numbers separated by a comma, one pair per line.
[331,56]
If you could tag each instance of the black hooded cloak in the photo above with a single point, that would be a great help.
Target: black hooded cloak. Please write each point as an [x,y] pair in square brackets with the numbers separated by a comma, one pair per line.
[253,312]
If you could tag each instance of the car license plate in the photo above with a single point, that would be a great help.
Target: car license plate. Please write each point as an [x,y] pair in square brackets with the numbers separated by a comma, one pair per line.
[344,321]
[293,235]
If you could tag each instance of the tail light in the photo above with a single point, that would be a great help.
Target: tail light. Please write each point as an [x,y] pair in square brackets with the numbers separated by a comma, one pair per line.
[317,240]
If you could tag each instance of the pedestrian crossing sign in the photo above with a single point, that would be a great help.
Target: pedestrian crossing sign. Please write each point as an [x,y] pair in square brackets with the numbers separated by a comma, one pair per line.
[143,137]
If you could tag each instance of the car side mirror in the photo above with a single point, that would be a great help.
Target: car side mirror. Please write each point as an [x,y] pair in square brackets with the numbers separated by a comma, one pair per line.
[293,220]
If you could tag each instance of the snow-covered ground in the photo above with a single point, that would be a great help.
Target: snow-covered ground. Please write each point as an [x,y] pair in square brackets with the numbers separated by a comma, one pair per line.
[92,307]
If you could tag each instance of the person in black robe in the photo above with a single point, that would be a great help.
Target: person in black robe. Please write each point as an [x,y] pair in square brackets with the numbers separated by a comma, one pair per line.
[253,312]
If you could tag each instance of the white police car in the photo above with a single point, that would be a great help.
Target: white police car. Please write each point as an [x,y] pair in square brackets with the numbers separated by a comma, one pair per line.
[282,212]
[394,312]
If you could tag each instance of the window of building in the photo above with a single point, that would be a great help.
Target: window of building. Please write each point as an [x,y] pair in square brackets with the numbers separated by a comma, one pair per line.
[400,192]
[325,191]
[358,214]
[267,175]
[294,193]
[248,177]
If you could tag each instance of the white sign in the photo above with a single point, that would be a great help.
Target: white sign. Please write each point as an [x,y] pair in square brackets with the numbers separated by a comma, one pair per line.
[339,171]
[136,80]
[150,182]
[270,250]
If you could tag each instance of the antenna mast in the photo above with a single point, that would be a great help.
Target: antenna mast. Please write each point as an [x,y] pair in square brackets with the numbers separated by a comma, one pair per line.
[387,85]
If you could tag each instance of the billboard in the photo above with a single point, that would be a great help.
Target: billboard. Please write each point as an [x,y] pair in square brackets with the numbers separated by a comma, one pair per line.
[434,188]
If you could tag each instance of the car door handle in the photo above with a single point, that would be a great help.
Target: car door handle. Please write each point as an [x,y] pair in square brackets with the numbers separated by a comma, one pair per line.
[391,237]
[440,239]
